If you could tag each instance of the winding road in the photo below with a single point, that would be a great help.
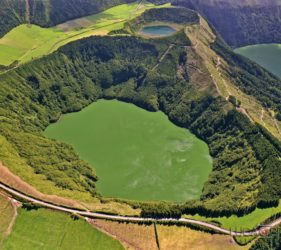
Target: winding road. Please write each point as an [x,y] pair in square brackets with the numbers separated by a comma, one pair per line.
[259,231]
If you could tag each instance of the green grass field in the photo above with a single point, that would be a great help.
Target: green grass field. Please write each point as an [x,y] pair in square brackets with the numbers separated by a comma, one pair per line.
[25,43]
[137,154]
[246,222]
[46,229]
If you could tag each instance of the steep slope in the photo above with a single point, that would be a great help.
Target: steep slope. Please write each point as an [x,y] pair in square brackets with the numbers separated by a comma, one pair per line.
[12,13]
[28,42]
[234,75]
[231,80]
[48,13]
[241,22]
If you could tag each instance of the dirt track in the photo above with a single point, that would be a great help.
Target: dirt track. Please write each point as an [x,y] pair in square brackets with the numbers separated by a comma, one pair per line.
[86,214]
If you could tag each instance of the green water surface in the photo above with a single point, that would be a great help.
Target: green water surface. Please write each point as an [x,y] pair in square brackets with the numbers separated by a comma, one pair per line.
[137,154]
[267,55]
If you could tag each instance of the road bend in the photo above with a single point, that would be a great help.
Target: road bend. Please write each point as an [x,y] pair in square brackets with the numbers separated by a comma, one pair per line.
[259,231]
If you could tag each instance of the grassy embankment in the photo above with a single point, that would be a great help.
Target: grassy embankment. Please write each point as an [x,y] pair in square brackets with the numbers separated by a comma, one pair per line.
[25,43]
[45,229]
[6,217]
[29,180]
[246,222]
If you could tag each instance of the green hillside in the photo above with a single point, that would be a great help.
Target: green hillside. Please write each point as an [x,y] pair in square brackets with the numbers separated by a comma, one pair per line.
[240,22]
[48,13]
[97,67]
[25,42]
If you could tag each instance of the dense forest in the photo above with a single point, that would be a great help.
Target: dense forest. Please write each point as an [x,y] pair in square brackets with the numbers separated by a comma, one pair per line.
[241,22]
[36,94]
[12,14]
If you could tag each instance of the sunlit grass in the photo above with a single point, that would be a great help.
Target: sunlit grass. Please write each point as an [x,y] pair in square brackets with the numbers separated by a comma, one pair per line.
[25,43]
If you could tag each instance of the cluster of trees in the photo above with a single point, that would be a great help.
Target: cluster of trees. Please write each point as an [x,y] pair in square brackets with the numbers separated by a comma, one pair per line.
[245,157]
[269,242]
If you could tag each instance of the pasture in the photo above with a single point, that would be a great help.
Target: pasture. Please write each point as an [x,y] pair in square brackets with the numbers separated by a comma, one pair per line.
[25,43]
[246,222]
[46,229]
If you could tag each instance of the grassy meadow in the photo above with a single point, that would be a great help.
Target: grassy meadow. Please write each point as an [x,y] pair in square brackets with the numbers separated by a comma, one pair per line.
[246,222]
[46,229]
[25,42]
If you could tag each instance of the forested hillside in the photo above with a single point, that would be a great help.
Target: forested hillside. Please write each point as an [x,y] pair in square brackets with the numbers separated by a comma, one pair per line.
[48,13]
[241,22]
[12,14]
[33,95]
[178,16]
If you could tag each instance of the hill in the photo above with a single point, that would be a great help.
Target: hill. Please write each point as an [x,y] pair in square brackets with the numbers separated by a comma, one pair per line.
[239,22]
[47,13]
[185,85]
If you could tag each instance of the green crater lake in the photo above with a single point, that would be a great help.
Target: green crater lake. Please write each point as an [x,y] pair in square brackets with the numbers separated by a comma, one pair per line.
[138,155]
[157,31]
[267,55]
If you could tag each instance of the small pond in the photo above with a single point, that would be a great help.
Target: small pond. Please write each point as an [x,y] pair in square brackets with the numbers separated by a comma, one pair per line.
[158,31]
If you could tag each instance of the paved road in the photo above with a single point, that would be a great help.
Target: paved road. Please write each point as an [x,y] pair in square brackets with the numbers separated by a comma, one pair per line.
[86,214]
